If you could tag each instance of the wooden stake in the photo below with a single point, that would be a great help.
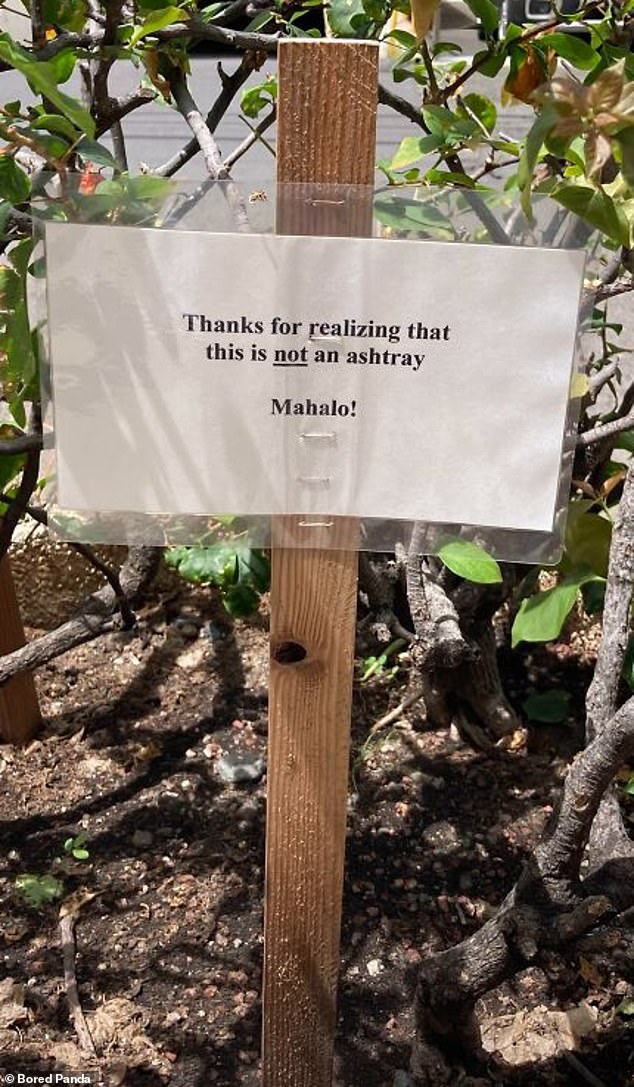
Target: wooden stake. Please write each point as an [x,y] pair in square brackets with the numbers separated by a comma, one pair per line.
[326,135]
[19,708]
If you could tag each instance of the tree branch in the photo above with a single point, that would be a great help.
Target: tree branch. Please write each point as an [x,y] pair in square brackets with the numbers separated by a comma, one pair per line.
[253,137]
[23,443]
[230,86]
[16,508]
[92,620]
[606,430]
[111,575]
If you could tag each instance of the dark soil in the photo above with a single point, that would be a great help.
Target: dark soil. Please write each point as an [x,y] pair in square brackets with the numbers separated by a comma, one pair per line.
[169,901]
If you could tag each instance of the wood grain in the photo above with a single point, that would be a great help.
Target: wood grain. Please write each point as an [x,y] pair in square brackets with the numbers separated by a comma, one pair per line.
[19,708]
[326,136]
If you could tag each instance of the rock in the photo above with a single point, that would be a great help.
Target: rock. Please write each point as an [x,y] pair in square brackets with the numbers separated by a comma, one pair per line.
[142,839]
[192,658]
[375,967]
[442,837]
[234,768]
[537,1034]
[401,1079]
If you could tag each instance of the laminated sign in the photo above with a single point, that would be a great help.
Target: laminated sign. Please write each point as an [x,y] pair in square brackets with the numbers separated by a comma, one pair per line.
[197,373]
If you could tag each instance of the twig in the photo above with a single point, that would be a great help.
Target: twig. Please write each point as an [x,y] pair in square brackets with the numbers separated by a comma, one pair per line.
[204,138]
[23,443]
[253,137]
[485,215]
[606,430]
[582,1071]
[612,290]
[602,694]
[230,86]
[211,154]
[118,147]
[111,576]
[398,711]
[17,506]
[240,39]
[93,619]
[601,378]
[67,933]
[429,68]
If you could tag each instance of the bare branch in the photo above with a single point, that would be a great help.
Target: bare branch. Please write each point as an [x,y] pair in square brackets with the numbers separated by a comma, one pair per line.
[612,290]
[601,378]
[94,617]
[205,139]
[111,575]
[602,695]
[200,30]
[118,147]
[17,507]
[254,136]
[606,430]
[231,84]
[24,443]
[118,108]
[484,213]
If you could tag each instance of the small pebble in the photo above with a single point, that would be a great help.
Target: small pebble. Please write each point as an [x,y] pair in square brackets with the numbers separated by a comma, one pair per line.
[142,839]
[374,967]
[401,1079]
[235,768]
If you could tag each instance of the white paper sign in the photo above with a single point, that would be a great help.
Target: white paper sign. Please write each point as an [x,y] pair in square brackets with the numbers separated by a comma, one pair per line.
[252,374]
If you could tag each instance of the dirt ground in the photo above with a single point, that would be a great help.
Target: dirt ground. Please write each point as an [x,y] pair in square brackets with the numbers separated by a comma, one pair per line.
[169,899]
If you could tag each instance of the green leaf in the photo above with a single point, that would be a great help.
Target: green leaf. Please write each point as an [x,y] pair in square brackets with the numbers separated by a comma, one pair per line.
[42,79]
[91,151]
[414,216]
[625,440]
[547,707]
[411,149]
[38,891]
[69,14]
[490,63]
[597,208]
[482,108]
[571,48]
[487,13]
[541,617]
[146,187]
[626,1007]
[545,121]
[158,20]
[625,142]
[255,99]
[63,65]
[469,561]
[14,184]
[10,467]
[241,600]
[401,37]
[439,119]
[54,122]
[587,539]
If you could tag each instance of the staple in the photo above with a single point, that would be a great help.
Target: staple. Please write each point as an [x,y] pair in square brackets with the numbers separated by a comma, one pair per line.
[325,339]
[315,524]
[317,200]
[325,436]
[323,481]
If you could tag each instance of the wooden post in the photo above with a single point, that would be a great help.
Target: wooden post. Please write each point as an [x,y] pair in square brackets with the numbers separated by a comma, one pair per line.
[326,135]
[19,708]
